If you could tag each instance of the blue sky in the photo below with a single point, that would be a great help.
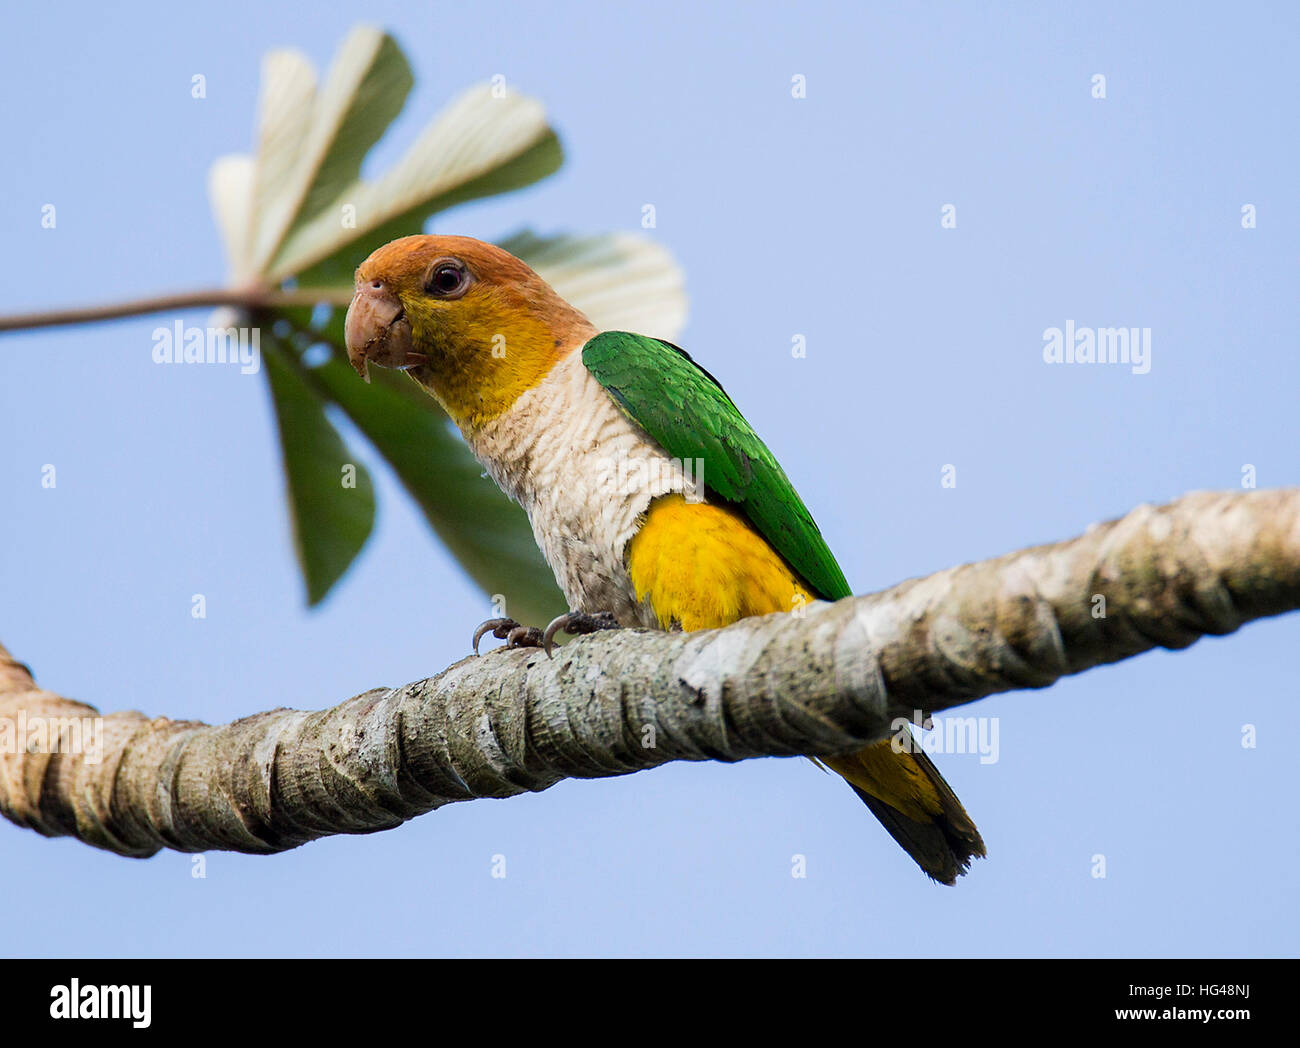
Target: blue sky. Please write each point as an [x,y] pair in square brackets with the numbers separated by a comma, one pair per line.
[818,216]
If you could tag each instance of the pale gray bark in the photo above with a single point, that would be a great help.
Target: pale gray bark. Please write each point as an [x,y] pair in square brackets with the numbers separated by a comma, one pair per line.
[821,682]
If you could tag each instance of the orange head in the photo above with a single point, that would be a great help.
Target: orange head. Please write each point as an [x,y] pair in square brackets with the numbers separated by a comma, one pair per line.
[471,323]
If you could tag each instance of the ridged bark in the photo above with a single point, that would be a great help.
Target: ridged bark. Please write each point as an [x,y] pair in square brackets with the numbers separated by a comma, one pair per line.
[820,682]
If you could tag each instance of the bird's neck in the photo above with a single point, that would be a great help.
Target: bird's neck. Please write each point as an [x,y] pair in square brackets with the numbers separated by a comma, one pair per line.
[481,374]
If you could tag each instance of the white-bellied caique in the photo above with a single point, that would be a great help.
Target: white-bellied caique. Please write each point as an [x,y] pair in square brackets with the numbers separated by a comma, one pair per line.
[547,403]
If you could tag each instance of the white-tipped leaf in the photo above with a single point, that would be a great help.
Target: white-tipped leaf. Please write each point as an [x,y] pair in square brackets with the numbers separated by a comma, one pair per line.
[484,142]
[365,89]
[284,120]
[230,193]
[621,281]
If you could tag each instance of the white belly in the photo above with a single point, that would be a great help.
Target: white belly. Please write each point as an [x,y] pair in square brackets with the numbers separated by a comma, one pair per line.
[585,474]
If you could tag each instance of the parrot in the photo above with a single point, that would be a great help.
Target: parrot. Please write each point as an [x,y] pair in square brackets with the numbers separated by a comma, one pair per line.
[557,412]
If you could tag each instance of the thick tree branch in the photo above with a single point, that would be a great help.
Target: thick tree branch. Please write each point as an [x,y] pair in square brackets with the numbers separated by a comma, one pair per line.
[820,682]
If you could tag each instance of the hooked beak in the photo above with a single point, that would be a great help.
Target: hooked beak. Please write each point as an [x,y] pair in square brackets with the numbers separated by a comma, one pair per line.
[377,330]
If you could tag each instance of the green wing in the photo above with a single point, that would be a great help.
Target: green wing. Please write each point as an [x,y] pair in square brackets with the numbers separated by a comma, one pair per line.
[686,412]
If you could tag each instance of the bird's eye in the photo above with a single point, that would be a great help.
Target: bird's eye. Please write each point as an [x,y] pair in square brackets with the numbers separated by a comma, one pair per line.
[447,280]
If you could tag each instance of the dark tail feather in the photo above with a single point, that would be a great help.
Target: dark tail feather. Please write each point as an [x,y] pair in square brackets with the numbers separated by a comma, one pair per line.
[944,847]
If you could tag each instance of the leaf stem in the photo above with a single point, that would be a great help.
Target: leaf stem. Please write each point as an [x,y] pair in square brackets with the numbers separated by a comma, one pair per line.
[250,298]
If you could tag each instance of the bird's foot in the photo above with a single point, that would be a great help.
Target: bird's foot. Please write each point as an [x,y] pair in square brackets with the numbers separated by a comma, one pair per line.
[508,630]
[516,636]
[578,623]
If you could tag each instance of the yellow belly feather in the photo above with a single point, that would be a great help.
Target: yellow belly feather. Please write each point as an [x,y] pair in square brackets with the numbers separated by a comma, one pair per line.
[703,566]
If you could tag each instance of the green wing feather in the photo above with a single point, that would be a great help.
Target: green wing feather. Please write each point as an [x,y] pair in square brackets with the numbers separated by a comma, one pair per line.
[684,409]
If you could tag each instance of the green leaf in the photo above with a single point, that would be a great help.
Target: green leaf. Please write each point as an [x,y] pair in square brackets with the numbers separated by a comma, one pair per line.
[330,521]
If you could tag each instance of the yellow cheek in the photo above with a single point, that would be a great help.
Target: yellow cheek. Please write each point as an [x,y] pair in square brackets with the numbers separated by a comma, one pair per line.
[481,362]
[701,566]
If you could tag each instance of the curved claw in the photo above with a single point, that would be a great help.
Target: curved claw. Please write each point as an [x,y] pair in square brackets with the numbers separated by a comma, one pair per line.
[578,623]
[548,635]
[492,626]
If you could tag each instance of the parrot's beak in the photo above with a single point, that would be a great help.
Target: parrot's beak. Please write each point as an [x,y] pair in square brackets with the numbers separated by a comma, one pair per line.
[377,330]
